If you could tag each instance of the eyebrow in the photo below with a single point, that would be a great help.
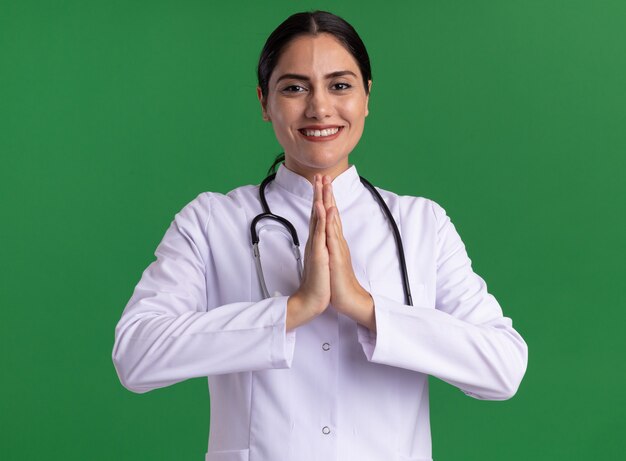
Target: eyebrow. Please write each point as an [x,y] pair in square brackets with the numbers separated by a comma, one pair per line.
[339,73]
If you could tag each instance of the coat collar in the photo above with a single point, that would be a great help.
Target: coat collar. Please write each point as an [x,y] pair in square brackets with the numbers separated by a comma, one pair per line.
[346,186]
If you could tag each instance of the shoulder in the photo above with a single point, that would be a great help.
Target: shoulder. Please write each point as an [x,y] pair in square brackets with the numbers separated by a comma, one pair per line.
[209,204]
[423,219]
[412,208]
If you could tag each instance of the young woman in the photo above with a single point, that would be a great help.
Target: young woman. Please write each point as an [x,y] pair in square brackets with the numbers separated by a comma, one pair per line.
[326,358]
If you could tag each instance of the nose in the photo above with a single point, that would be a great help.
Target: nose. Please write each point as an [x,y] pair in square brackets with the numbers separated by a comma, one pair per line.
[319,105]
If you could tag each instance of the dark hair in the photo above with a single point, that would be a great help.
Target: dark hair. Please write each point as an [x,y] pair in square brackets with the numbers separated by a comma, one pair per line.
[310,23]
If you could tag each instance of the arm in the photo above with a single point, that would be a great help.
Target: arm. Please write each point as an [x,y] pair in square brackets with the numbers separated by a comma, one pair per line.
[464,341]
[167,334]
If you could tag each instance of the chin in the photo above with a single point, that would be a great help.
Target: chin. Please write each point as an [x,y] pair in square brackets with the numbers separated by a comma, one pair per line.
[317,157]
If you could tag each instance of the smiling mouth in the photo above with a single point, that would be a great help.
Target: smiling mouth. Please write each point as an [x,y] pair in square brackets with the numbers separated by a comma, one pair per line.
[320,133]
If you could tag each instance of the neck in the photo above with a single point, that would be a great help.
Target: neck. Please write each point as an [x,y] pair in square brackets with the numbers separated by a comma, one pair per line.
[309,172]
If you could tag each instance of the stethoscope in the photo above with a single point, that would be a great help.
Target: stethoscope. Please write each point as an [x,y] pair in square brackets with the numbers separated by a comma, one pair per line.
[267,214]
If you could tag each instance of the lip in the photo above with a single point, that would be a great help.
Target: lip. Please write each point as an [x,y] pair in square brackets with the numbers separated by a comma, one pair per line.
[320,127]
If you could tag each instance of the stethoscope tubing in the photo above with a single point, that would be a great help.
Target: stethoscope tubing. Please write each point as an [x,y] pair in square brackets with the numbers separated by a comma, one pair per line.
[396,235]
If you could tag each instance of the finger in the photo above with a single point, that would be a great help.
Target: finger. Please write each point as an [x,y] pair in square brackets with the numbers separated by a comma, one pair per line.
[333,203]
[313,218]
[328,192]
[313,201]
[312,225]
[320,212]
[332,236]
[329,196]
[336,215]
[320,209]
[318,194]
[338,220]
[319,237]
[315,190]
[316,243]
[337,223]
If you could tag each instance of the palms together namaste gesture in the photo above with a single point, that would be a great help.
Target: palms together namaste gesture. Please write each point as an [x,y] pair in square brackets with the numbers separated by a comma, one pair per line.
[328,276]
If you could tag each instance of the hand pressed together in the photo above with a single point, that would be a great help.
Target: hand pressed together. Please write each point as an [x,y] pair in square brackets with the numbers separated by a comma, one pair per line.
[328,275]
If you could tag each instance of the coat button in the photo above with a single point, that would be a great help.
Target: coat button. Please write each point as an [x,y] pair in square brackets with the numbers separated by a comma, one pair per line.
[325,346]
[326,430]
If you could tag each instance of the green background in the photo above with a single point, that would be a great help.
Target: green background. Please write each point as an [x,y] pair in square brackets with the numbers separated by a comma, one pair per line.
[115,114]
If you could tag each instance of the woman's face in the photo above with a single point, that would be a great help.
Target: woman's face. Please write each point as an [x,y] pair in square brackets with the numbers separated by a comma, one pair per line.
[317,105]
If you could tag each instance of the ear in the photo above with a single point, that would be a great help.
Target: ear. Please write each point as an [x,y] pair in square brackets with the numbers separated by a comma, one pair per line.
[367,98]
[259,94]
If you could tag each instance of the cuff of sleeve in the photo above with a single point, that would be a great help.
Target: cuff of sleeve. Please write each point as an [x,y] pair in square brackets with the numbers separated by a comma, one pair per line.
[283,341]
[374,343]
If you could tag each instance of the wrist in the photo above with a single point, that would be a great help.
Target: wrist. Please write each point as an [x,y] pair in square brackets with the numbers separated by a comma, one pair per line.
[301,309]
[367,310]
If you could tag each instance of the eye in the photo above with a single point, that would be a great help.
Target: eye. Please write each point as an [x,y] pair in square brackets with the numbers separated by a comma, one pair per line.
[341,86]
[293,89]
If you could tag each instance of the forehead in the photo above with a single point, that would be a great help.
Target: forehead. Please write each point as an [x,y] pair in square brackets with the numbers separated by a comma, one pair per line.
[315,54]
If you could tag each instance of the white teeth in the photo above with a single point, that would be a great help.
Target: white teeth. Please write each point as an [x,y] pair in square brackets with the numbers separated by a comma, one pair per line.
[321,133]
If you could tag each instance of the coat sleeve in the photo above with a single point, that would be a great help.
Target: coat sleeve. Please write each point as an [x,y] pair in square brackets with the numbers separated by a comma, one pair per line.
[167,334]
[465,341]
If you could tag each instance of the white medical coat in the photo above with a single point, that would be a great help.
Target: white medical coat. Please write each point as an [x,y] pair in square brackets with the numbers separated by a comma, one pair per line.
[331,389]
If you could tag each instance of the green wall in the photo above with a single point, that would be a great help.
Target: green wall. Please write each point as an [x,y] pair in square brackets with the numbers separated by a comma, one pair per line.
[115,114]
